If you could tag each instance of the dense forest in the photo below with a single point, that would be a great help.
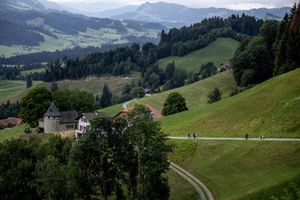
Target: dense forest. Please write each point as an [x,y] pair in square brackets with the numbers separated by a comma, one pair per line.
[9,110]
[45,56]
[177,42]
[274,51]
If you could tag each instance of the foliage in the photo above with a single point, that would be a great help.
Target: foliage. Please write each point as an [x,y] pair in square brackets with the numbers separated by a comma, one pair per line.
[28,81]
[106,98]
[274,51]
[214,96]
[288,42]
[80,101]
[174,103]
[50,178]
[30,169]
[18,159]
[9,110]
[138,92]
[207,70]
[111,158]
[177,42]
[34,105]
[252,62]
[292,192]
[54,87]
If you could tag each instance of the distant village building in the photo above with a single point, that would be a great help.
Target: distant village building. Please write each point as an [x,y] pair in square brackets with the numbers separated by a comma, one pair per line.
[224,67]
[10,122]
[151,91]
[84,122]
[55,121]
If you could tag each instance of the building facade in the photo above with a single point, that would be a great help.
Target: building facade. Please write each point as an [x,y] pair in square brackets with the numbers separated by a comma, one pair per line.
[84,122]
[55,121]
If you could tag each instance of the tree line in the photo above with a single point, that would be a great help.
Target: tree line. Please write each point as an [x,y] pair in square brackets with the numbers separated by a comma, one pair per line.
[274,51]
[9,109]
[123,159]
[121,61]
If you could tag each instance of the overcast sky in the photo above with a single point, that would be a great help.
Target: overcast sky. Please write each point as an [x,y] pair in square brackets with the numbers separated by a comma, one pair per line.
[233,4]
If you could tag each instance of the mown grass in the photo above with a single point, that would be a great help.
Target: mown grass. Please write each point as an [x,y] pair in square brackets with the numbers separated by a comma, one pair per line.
[95,85]
[240,169]
[271,108]
[12,133]
[196,93]
[32,71]
[180,189]
[112,110]
[217,52]
[13,90]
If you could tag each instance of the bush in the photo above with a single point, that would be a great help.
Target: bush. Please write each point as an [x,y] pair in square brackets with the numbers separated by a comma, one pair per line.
[175,103]
[214,96]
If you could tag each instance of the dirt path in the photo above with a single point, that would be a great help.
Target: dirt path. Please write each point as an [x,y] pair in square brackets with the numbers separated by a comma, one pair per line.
[203,191]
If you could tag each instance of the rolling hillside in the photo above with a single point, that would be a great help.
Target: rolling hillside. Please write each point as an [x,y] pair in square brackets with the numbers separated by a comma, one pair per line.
[271,108]
[240,170]
[196,93]
[13,90]
[217,52]
[95,85]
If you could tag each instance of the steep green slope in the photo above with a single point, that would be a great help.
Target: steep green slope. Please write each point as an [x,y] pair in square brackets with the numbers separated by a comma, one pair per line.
[196,93]
[240,169]
[95,85]
[12,90]
[217,52]
[271,108]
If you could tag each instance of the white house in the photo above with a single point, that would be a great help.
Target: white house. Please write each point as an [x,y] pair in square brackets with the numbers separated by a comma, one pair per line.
[84,122]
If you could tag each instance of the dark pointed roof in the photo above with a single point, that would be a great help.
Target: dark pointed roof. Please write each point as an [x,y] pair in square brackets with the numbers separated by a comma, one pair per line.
[52,111]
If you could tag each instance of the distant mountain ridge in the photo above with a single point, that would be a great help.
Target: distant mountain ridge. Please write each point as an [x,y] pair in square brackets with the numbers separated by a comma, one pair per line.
[176,15]
[39,25]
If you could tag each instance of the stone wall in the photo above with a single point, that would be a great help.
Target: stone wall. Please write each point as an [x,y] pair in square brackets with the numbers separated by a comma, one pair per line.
[51,124]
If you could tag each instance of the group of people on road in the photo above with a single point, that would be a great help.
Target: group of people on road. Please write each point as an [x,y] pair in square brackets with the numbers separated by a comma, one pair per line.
[261,136]
[192,136]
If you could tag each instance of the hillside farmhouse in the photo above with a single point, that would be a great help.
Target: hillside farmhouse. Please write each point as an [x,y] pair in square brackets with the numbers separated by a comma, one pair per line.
[84,122]
[55,121]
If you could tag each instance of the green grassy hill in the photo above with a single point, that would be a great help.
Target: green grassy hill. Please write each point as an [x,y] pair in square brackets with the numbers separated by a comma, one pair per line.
[95,85]
[13,90]
[271,108]
[240,169]
[196,93]
[217,52]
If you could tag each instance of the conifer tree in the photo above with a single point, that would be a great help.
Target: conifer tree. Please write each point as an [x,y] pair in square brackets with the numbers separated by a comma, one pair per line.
[106,98]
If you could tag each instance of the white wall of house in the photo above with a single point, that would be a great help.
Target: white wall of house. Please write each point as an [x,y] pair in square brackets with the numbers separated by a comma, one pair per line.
[83,124]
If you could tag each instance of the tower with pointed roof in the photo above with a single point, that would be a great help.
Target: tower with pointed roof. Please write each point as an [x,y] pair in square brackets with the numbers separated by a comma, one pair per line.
[51,119]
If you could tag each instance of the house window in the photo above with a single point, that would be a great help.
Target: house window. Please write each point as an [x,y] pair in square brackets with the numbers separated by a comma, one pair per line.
[70,126]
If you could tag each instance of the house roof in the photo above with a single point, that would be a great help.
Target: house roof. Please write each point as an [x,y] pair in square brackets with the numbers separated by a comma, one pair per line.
[12,121]
[92,115]
[52,111]
[68,117]
[122,112]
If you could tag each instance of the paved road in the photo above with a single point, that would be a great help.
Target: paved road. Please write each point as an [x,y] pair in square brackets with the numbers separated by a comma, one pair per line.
[237,139]
[203,191]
